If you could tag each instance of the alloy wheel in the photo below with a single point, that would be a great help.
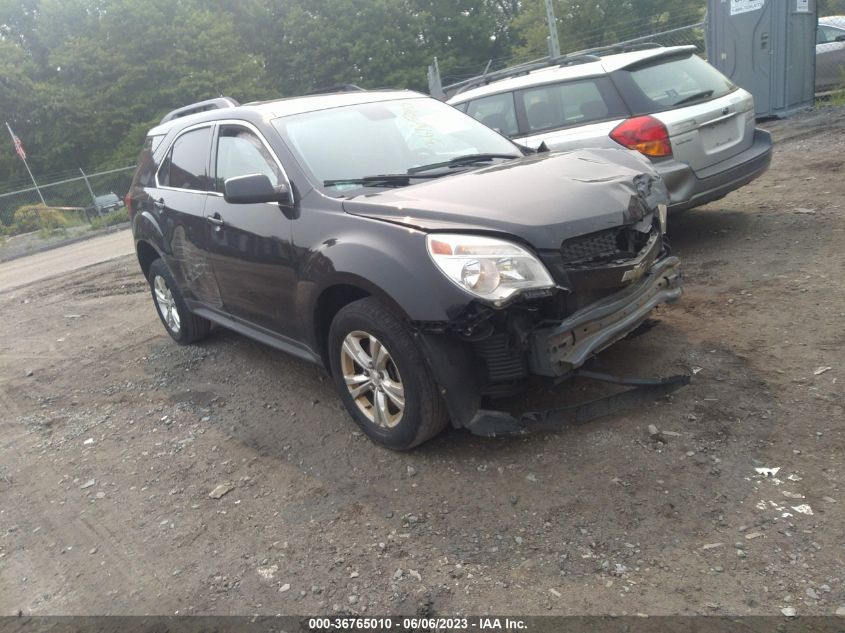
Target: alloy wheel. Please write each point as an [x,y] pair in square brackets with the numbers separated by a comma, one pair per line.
[372,379]
[166,304]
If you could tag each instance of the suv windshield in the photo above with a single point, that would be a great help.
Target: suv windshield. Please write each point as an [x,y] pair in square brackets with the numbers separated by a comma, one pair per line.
[387,138]
[675,82]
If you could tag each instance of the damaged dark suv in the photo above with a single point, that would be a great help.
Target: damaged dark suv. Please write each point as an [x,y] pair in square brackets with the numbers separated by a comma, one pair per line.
[430,264]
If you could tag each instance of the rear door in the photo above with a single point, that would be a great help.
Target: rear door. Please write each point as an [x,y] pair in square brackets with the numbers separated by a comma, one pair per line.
[709,119]
[250,244]
[179,197]
[569,114]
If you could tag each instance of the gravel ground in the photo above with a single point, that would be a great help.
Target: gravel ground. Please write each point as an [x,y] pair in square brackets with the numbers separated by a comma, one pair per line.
[137,476]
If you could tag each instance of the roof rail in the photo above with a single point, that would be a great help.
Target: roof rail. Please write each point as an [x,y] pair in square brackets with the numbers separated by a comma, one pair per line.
[570,59]
[336,88]
[200,106]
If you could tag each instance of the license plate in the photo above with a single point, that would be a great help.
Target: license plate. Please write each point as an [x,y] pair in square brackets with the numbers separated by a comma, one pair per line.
[719,135]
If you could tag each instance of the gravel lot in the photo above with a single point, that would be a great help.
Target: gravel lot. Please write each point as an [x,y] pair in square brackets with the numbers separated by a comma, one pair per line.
[113,438]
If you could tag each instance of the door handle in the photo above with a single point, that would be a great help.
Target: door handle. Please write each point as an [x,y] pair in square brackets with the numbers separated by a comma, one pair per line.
[215,219]
[159,204]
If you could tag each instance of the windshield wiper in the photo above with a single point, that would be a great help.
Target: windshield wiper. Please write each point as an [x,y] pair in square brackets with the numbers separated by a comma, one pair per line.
[459,161]
[704,94]
[383,180]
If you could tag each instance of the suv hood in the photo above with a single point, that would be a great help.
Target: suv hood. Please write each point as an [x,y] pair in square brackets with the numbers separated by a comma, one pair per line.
[542,199]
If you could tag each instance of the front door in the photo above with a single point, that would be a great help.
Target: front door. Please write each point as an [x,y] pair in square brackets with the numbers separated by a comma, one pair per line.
[250,244]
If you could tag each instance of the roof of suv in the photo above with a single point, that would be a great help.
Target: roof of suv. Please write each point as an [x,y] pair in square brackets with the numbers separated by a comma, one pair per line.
[285,107]
[605,65]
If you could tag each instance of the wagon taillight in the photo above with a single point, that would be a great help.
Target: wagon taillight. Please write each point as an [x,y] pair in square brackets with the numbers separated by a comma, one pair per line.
[645,134]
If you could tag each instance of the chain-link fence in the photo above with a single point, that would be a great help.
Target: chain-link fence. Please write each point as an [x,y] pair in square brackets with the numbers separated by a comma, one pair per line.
[683,35]
[95,199]
[830,55]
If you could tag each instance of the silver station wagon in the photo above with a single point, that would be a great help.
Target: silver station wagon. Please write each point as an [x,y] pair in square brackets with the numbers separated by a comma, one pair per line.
[697,127]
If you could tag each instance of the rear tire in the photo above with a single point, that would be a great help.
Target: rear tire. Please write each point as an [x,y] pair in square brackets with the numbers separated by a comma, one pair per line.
[183,326]
[382,377]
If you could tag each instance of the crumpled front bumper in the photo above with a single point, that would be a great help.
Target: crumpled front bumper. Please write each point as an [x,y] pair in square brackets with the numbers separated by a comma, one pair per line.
[559,350]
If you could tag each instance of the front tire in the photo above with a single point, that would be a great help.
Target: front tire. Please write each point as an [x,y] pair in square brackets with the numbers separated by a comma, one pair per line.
[183,326]
[382,377]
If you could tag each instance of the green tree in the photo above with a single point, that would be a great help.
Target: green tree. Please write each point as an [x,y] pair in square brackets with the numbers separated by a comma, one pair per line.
[142,59]
[17,95]
[83,80]
[111,68]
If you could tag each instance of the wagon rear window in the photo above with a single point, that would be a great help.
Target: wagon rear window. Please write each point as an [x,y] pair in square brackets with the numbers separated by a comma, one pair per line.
[675,82]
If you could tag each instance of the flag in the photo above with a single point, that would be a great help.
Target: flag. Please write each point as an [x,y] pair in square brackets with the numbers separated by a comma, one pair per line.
[18,145]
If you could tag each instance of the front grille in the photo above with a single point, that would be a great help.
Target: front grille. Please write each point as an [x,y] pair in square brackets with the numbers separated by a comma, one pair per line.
[585,248]
[618,243]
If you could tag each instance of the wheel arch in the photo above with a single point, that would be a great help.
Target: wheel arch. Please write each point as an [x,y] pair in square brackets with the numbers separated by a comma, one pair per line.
[147,254]
[337,295]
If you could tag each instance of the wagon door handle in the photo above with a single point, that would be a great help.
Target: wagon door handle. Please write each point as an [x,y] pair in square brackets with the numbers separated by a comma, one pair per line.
[215,219]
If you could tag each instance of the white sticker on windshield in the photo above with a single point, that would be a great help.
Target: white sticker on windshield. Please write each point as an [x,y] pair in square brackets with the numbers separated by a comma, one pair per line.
[744,6]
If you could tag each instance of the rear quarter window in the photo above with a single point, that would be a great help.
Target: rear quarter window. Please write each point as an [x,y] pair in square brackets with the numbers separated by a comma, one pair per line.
[670,83]
[569,104]
[146,170]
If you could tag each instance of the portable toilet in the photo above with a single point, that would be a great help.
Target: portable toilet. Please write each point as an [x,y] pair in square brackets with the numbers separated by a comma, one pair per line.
[767,47]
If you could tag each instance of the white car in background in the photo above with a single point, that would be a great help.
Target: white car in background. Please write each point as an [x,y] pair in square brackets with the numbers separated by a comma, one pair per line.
[697,128]
[830,53]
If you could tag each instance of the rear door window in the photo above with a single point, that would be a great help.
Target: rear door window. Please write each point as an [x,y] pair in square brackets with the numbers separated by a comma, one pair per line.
[570,103]
[670,83]
[496,112]
[186,165]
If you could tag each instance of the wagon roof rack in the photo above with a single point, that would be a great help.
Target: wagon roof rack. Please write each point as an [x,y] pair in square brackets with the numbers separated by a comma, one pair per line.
[569,59]
[200,106]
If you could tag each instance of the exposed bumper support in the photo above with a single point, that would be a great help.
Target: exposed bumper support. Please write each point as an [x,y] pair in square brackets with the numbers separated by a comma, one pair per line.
[498,423]
[560,350]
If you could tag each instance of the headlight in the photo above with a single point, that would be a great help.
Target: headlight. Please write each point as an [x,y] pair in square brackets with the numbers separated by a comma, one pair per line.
[488,268]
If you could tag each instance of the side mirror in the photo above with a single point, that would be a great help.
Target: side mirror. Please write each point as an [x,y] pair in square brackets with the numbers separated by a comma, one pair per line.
[253,189]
